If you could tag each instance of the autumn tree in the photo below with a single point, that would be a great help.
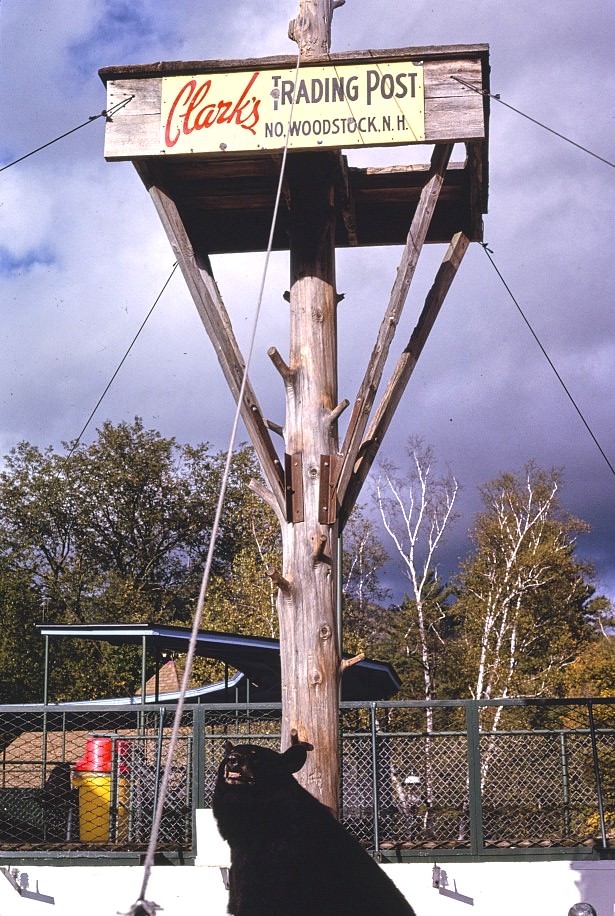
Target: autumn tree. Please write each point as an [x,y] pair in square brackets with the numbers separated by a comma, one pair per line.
[592,673]
[524,598]
[242,596]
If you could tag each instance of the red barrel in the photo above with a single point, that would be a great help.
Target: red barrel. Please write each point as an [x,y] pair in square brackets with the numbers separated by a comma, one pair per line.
[98,785]
[98,755]
[122,749]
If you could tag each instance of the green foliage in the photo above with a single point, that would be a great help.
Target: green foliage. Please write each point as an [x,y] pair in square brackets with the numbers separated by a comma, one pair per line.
[21,667]
[411,651]
[117,532]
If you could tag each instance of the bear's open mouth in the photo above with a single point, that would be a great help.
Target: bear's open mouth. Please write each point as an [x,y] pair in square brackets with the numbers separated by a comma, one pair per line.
[234,776]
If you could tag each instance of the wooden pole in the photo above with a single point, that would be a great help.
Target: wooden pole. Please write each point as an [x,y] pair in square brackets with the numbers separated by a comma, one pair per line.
[312,27]
[310,654]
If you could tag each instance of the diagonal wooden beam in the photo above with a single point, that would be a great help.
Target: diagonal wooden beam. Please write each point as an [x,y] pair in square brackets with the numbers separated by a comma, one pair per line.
[204,290]
[405,272]
[403,370]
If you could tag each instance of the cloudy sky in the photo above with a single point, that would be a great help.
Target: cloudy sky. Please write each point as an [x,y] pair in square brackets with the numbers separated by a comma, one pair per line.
[83,257]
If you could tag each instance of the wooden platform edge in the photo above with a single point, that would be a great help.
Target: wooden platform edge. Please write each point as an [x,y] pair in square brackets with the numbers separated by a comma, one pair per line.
[178,68]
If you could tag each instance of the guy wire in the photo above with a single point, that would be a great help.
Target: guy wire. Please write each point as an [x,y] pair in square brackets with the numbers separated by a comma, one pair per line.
[489,253]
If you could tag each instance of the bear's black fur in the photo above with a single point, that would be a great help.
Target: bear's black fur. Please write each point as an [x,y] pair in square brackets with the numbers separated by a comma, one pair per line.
[289,855]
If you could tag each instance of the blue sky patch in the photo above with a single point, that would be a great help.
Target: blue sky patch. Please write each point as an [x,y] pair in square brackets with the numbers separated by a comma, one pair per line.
[16,264]
[124,26]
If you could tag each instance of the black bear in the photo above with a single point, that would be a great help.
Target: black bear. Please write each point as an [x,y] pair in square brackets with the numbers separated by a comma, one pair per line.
[289,855]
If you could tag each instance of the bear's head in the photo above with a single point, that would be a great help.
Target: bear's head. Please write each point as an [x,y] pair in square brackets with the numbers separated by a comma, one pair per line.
[253,765]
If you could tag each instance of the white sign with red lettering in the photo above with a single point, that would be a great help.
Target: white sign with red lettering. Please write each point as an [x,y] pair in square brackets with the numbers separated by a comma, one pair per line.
[374,104]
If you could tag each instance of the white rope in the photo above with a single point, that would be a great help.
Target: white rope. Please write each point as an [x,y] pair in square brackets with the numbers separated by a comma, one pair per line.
[142,907]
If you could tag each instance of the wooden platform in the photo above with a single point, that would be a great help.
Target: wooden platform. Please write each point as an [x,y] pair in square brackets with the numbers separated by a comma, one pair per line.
[226,199]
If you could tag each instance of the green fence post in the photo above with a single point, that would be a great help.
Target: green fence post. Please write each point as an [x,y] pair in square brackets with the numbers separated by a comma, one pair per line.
[198,766]
[596,762]
[565,783]
[474,779]
[198,755]
[375,784]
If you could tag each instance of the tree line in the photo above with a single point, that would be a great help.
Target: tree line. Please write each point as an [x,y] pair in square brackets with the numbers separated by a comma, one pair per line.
[117,532]
[519,617]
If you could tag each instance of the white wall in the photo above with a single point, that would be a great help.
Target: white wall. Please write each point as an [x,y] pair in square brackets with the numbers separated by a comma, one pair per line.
[505,888]
[485,889]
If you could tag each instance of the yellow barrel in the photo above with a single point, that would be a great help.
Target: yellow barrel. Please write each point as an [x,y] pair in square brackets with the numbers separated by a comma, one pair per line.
[95,796]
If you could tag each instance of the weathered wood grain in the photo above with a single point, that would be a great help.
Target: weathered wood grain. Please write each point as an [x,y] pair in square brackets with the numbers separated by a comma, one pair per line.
[226,200]
[180,67]
[310,654]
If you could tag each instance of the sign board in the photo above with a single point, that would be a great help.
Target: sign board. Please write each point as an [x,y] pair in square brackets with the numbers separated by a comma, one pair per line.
[353,105]
[205,108]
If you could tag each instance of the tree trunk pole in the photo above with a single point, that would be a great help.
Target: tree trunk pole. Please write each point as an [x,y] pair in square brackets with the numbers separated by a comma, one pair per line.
[312,27]
[310,655]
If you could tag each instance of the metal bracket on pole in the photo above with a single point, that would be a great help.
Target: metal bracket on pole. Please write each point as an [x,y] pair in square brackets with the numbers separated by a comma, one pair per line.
[293,475]
[327,496]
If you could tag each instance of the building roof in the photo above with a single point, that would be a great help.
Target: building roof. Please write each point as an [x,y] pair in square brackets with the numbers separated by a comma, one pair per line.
[255,658]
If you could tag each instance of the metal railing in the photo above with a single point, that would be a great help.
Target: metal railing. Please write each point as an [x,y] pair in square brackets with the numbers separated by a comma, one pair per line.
[454,777]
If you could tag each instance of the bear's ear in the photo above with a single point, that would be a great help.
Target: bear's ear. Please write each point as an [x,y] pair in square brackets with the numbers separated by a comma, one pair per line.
[228,747]
[296,755]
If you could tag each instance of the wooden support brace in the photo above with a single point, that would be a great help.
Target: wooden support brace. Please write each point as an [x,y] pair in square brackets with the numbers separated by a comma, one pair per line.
[403,370]
[405,273]
[343,189]
[203,288]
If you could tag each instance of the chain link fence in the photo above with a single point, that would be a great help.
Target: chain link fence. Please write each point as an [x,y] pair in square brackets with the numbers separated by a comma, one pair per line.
[90,779]
[450,775]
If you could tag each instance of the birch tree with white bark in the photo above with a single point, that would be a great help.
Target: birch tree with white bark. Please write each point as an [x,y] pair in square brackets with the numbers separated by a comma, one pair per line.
[417,506]
[523,596]
[363,592]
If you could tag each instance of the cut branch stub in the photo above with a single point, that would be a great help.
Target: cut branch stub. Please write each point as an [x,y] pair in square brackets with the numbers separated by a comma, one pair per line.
[319,543]
[277,360]
[278,579]
[349,662]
